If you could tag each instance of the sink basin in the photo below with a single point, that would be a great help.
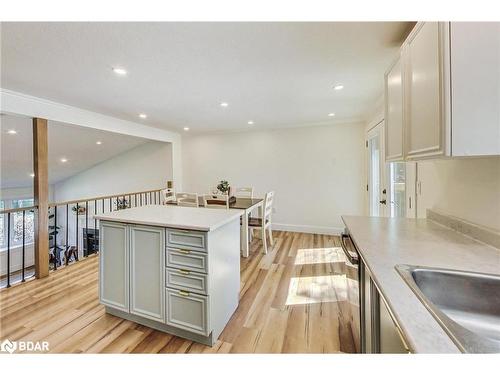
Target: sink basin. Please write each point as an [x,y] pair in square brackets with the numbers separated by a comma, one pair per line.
[465,304]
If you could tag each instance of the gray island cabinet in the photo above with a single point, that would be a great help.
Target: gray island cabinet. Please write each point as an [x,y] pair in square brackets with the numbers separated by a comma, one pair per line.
[174,269]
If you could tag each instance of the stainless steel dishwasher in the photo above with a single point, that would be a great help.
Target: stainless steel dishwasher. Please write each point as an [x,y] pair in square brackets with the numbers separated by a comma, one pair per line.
[353,288]
[374,328]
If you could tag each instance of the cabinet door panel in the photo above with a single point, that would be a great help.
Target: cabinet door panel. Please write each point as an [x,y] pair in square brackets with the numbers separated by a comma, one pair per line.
[475,69]
[188,311]
[113,266]
[394,113]
[425,122]
[147,272]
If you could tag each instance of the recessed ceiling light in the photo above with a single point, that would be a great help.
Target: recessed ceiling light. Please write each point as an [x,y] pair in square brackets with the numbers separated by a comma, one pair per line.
[64,160]
[250,123]
[186,128]
[98,143]
[338,87]
[224,104]
[143,115]
[331,114]
[11,131]
[120,71]
[32,175]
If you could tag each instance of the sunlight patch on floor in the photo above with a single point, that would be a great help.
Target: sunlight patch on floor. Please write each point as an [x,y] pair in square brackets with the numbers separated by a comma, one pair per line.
[317,289]
[319,255]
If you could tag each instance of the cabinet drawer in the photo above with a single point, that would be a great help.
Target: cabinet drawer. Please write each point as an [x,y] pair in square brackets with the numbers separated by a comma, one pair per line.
[186,280]
[186,239]
[187,260]
[188,311]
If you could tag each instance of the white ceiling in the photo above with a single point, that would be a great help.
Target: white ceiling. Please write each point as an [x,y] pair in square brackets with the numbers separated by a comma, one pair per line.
[276,74]
[77,144]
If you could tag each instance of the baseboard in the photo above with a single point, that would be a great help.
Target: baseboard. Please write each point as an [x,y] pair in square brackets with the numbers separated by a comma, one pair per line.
[307,229]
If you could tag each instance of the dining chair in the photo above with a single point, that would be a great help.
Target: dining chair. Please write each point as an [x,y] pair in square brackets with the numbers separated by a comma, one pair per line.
[264,222]
[187,199]
[216,201]
[243,192]
[168,195]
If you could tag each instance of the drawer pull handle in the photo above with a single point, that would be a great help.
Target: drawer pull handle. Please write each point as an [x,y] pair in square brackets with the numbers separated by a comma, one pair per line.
[184,272]
[183,293]
[185,251]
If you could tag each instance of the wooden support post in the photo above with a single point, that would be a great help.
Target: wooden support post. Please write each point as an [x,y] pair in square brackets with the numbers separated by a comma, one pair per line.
[41,196]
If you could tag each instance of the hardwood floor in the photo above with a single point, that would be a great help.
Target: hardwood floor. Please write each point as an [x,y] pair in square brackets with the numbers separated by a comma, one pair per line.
[292,300]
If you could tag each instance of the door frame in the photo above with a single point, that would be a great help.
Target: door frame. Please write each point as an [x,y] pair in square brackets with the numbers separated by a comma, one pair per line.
[411,187]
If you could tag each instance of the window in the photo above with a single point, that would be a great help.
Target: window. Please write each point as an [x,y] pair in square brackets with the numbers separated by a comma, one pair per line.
[2,228]
[16,223]
[398,189]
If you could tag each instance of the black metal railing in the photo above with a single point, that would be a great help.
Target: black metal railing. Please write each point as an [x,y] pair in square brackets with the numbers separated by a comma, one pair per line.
[81,233]
[70,239]
[16,219]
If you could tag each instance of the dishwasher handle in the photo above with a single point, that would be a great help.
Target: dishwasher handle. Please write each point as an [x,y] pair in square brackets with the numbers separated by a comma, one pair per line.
[352,256]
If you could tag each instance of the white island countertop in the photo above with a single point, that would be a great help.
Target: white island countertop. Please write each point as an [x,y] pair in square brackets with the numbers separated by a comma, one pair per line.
[202,219]
[383,243]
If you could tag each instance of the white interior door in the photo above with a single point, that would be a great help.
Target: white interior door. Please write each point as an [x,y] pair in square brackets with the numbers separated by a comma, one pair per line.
[376,184]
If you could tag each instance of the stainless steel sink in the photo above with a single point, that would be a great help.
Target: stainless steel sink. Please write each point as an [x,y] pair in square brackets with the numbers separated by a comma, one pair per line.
[465,304]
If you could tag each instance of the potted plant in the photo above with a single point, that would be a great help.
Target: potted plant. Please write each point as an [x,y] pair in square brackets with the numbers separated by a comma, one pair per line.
[121,203]
[224,187]
[54,250]
[81,210]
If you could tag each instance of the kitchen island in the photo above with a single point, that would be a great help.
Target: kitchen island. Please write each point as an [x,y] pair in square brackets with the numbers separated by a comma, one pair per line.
[174,269]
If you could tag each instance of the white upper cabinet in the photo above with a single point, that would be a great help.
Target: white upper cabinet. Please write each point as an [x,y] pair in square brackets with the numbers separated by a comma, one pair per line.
[475,69]
[450,92]
[425,90]
[394,112]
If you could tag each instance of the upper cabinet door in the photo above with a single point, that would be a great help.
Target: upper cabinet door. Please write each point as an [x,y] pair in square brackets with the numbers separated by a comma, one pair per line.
[475,69]
[147,286]
[394,112]
[426,90]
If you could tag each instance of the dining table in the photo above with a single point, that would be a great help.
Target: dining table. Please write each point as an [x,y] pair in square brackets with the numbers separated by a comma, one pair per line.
[247,205]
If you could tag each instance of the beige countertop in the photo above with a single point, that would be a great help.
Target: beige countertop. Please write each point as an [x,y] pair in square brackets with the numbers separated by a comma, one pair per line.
[202,219]
[385,242]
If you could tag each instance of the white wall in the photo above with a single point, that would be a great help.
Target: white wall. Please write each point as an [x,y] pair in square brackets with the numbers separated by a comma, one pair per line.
[145,167]
[465,188]
[315,171]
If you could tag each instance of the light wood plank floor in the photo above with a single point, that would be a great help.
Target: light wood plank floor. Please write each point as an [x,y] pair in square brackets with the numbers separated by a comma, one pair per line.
[292,300]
